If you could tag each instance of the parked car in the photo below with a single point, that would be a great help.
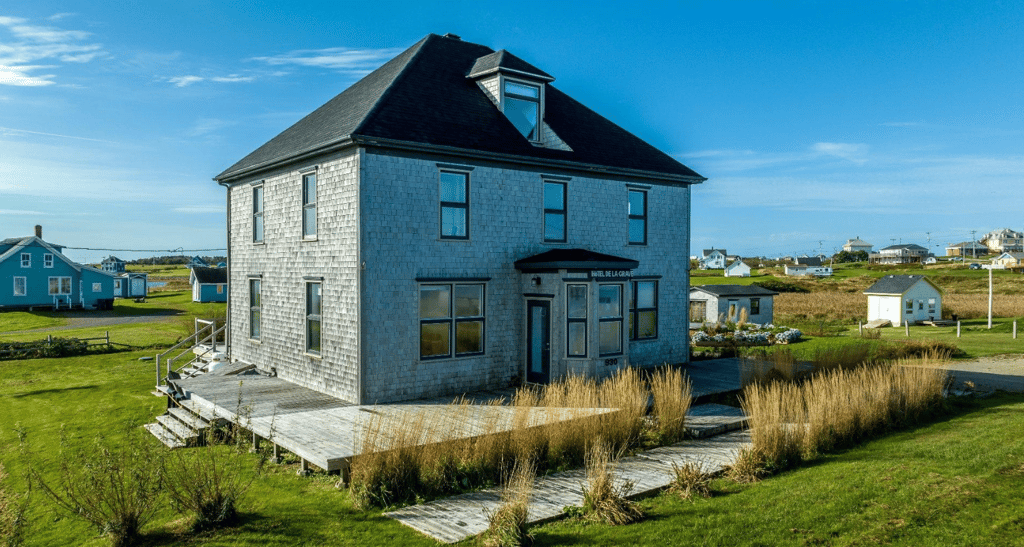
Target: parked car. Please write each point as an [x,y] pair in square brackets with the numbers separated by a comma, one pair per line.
[975,266]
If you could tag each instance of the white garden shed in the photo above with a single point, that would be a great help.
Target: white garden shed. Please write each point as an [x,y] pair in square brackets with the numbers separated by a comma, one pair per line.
[737,269]
[900,298]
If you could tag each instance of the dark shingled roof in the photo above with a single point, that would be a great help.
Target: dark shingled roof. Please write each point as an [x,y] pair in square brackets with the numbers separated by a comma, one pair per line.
[503,59]
[574,259]
[423,97]
[910,246]
[895,284]
[733,290]
[210,276]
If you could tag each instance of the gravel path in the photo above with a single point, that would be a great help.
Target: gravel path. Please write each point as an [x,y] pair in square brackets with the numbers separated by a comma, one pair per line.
[79,320]
[1005,372]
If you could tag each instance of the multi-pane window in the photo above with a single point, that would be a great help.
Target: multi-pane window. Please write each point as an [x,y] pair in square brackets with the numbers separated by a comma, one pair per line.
[755,306]
[255,308]
[309,205]
[931,305]
[257,214]
[117,286]
[643,311]
[454,205]
[60,285]
[910,306]
[522,108]
[609,312]
[637,217]
[451,316]
[26,260]
[576,320]
[47,260]
[20,286]
[698,311]
[554,212]
[314,305]
[97,287]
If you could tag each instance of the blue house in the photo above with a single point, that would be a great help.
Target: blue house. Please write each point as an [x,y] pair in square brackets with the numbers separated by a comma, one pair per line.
[131,285]
[35,274]
[209,284]
[197,261]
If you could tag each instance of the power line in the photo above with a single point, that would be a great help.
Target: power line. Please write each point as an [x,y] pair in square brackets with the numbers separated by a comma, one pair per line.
[178,250]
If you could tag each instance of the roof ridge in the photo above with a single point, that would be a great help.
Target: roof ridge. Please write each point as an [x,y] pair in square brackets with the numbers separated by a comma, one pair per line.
[418,46]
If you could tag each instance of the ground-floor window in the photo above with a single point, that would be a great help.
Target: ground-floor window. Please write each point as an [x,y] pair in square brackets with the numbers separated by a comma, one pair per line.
[698,311]
[20,287]
[576,320]
[255,308]
[755,306]
[609,313]
[733,309]
[910,306]
[314,305]
[60,285]
[643,311]
[97,287]
[117,285]
[452,316]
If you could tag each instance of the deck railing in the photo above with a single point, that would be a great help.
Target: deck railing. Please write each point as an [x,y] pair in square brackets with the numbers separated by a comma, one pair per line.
[206,334]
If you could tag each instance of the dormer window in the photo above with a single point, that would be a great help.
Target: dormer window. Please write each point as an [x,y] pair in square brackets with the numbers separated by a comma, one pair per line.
[522,107]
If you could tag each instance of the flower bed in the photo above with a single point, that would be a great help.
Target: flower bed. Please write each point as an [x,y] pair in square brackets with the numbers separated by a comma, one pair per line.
[745,335]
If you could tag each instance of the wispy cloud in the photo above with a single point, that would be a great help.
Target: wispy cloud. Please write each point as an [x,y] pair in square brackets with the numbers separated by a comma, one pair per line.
[12,131]
[200,209]
[59,16]
[22,212]
[184,81]
[29,44]
[353,61]
[207,126]
[856,153]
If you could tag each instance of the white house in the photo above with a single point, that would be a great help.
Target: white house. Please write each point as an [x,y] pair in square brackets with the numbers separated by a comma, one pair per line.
[900,298]
[737,269]
[713,259]
[857,244]
[904,253]
[709,303]
[808,266]
[454,222]
[1004,240]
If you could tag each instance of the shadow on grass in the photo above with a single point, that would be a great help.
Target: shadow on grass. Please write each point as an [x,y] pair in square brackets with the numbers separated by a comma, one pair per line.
[54,390]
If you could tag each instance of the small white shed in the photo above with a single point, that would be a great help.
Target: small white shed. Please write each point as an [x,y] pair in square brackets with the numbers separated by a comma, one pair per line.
[900,298]
[737,269]
[708,303]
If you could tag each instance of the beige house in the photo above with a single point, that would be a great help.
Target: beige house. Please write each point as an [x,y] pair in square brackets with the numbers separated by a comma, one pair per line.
[857,244]
[1004,240]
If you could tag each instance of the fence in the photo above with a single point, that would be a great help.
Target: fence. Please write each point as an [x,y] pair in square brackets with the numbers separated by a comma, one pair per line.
[54,347]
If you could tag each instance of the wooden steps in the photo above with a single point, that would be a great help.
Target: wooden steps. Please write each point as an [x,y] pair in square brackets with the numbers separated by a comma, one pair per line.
[179,427]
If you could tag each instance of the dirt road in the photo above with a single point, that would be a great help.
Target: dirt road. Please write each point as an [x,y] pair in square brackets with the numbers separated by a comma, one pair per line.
[1005,372]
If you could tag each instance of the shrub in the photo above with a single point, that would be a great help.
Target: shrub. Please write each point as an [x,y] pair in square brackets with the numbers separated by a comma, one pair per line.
[53,348]
[507,524]
[603,500]
[778,285]
[114,486]
[691,479]
[672,397]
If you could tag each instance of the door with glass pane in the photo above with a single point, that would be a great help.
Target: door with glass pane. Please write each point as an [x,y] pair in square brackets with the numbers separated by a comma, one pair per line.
[538,341]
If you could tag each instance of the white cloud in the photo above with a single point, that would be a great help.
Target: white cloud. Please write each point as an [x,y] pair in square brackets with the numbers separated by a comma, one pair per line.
[59,16]
[184,81]
[22,212]
[20,56]
[207,126]
[200,209]
[847,151]
[12,131]
[349,60]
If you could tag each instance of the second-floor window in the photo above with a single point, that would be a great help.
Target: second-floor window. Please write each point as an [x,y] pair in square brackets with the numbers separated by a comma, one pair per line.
[554,212]
[47,260]
[637,217]
[309,205]
[454,205]
[26,260]
[257,214]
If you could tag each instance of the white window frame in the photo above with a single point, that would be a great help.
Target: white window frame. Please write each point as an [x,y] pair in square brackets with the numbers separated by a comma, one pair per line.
[26,260]
[257,213]
[311,317]
[310,203]
[60,285]
[47,260]
[97,287]
[24,286]
[256,308]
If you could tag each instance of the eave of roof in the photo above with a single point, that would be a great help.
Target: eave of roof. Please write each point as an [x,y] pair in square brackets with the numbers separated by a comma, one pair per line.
[574,259]
[733,290]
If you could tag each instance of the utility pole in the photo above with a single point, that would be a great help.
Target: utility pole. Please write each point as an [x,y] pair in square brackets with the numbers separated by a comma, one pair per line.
[991,267]
[974,250]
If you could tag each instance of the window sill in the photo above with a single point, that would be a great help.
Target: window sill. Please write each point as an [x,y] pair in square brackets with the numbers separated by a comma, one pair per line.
[256,341]
[259,243]
[317,356]
[632,244]
[309,238]
[456,358]
[644,339]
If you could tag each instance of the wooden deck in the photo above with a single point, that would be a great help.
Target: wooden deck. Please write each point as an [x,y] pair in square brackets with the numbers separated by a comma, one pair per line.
[326,431]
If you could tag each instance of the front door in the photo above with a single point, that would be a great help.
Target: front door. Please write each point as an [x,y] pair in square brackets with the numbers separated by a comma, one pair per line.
[538,341]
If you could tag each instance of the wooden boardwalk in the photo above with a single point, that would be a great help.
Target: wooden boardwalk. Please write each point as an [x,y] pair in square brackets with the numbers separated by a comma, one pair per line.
[459,517]
[326,431]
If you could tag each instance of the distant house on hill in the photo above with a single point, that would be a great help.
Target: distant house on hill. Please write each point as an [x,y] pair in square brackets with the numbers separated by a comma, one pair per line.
[904,253]
[713,259]
[900,298]
[737,269]
[857,244]
[1004,240]
[209,284]
[967,248]
[709,302]
[112,264]
[36,274]
[811,265]
[197,262]
[1010,260]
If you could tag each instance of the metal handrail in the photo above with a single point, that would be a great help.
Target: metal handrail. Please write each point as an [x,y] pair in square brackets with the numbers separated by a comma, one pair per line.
[193,339]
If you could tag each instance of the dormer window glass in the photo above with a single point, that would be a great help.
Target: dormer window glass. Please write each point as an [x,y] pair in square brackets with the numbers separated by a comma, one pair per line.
[522,107]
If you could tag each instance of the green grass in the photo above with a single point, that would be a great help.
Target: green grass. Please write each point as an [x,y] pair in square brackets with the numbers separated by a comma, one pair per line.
[953,482]
[25,320]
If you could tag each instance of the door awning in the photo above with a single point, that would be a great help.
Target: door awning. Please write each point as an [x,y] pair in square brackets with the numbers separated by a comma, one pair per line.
[574,259]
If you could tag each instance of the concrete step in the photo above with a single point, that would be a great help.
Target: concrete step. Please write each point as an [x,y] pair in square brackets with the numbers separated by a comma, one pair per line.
[165,436]
[184,433]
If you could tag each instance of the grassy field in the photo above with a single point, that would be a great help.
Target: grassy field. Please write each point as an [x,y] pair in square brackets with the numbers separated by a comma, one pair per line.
[955,481]
[24,320]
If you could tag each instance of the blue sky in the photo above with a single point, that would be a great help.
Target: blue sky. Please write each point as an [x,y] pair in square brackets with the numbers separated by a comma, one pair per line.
[814,122]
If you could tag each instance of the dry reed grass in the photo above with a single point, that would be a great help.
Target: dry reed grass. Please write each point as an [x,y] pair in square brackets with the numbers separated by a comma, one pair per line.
[793,422]
[692,479]
[507,524]
[446,448]
[603,499]
[852,307]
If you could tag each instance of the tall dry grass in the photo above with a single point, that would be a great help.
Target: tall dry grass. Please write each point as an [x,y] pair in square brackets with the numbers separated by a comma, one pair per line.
[853,306]
[791,422]
[604,497]
[507,525]
[436,449]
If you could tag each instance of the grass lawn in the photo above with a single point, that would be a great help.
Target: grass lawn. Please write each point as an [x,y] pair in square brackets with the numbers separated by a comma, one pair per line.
[28,320]
[952,482]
